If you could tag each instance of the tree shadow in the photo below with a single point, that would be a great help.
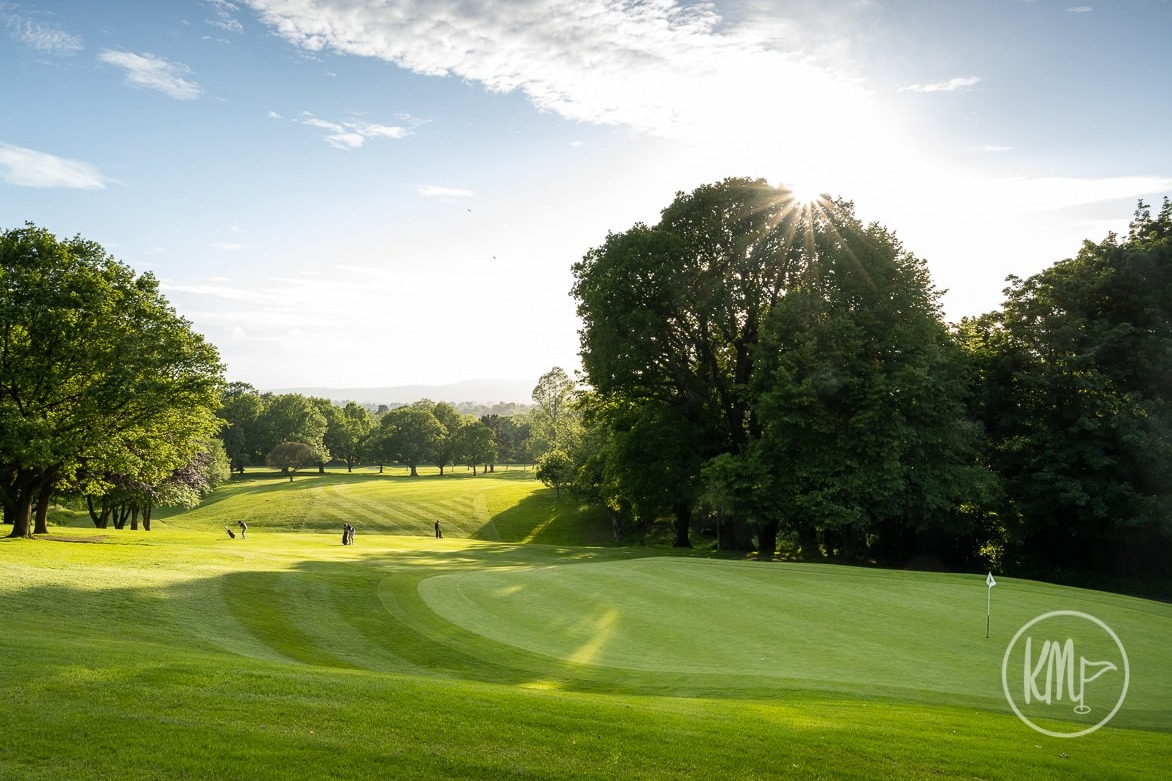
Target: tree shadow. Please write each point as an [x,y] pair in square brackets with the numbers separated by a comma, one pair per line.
[544,518]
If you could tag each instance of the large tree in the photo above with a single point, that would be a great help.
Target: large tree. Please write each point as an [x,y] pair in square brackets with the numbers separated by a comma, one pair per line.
[555,423]
[672,313]
[408,435]
[864,442]
[241,407]
[291,456]
[1076,381]
[510,434]
[98,374]
[779,363]
[348,433]
[446,450]
[475,443]
[290,417]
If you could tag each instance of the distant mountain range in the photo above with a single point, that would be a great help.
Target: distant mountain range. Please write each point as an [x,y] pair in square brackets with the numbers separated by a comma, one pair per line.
[479,391]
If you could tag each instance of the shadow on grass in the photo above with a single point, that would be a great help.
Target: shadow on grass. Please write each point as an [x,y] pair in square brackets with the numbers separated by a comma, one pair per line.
[545,518]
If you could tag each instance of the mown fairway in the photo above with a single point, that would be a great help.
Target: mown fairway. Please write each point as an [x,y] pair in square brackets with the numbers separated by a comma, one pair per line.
[184,654]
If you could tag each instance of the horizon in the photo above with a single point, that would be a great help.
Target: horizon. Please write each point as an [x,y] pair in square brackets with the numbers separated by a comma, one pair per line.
[394,193]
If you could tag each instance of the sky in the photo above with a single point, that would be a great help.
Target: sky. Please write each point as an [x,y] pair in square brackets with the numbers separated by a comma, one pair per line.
[348,193]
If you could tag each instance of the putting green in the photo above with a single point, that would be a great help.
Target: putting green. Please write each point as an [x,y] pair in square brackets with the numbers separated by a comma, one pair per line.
[914,636]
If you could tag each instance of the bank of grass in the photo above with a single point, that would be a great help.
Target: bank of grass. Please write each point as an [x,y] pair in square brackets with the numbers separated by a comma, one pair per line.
[508,505]
[183,654]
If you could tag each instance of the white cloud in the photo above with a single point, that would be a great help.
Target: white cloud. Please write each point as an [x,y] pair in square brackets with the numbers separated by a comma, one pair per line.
[47,40]
[227,246]
[661,67]
[994,148]
[151,72]
[1057,192]
[225,18]
[450,192]
[952,85]
[1079,9]
[352,134]
[29,168]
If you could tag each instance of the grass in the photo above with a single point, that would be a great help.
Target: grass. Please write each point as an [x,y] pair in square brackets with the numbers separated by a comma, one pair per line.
[182,654]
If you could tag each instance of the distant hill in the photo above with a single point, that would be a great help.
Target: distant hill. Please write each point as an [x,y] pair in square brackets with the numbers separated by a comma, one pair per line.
[478,391]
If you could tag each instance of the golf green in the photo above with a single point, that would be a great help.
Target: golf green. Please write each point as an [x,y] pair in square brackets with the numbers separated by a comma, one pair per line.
[913,636]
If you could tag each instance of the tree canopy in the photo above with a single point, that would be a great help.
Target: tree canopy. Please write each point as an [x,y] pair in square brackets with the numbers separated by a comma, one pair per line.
[1074,386]
[779,362]
[99,377]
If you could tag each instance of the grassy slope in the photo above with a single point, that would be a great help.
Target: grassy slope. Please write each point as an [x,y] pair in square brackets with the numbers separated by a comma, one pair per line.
[183,654]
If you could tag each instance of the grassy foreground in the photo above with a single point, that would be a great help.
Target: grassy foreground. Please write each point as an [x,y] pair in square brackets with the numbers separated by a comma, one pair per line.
[182,654]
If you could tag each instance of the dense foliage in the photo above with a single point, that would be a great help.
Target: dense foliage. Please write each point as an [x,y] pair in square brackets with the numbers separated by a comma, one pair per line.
[104,391]
[255,424]
[1074,386]
[768,367]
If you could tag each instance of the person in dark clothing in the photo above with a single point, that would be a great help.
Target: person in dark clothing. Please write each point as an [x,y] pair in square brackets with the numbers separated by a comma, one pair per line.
[243,529]
[347,534]
[439,535]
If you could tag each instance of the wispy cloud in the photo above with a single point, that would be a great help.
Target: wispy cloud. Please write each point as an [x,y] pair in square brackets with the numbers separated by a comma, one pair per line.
[432,191]
[228,246]
[43,38]
[994,148]
[225,15]
[952,85]
[29,168]
[1079,9]
[150,72]
[661,67]
[352,133]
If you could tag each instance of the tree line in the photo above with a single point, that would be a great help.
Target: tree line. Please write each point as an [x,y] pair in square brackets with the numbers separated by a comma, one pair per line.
[775,372]
[781,374]
[289,431]
[110,401]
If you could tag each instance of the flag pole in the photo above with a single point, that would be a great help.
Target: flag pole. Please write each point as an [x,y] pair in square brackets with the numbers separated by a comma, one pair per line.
[988,611]
[990,583]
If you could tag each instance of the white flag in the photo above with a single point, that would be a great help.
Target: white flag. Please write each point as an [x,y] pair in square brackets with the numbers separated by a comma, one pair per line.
[989,581]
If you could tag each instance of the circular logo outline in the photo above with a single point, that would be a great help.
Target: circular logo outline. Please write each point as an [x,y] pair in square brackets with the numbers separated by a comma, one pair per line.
[1075,614]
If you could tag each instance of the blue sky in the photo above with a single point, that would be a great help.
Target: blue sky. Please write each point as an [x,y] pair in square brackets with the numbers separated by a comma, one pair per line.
[350,194]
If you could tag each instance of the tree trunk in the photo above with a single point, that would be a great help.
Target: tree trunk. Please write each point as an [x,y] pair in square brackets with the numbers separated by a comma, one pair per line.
[101,519]
[766,541]
[22,514]
[735,534]
[42,517]
[146,518]
[808,543]
[683,526]
[413,472]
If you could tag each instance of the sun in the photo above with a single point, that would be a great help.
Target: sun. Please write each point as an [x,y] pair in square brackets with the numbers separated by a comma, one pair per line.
[804,194]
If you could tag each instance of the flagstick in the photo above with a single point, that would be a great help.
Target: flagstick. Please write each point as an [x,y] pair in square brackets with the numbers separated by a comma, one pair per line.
[988,610]
[989,583]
